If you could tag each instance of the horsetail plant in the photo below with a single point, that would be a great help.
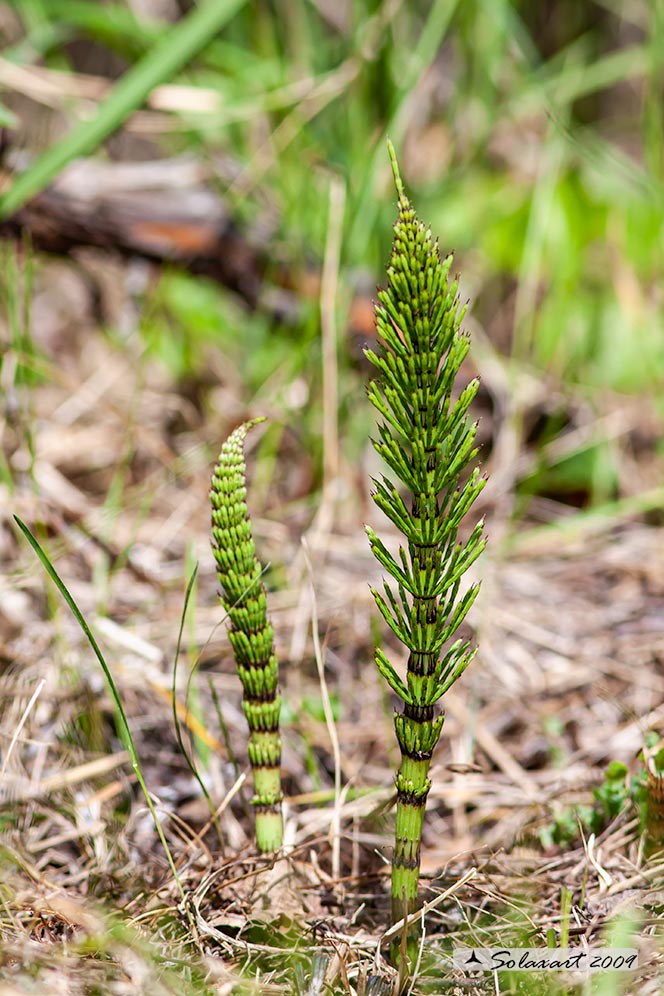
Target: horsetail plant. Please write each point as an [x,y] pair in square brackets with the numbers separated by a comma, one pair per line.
[250,632]
[427,441]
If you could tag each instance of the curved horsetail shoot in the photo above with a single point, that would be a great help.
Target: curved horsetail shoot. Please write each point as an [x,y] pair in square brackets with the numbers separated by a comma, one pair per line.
[250,632]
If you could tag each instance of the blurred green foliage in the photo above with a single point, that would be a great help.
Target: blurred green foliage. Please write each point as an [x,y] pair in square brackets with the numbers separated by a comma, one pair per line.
[530,137]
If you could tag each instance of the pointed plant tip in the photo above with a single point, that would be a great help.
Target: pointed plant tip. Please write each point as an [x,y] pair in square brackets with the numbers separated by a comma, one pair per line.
[22,526]
[255,421]
[398,182]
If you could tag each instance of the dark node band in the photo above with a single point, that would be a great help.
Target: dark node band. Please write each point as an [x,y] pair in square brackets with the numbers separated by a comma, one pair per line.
[268,807]
[416,755]
[269,695]
[410,799]
[421,663]
[399,861]
[419,713]
[249,664]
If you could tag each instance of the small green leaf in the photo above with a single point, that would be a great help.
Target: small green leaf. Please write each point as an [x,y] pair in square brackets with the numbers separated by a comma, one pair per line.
[390,675]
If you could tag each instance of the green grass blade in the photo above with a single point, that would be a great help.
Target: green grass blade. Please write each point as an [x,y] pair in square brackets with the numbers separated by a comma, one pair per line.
[127,738]
[587,522]
[431,38]
[166,58]
[64,591]
[576,81]
[176,719]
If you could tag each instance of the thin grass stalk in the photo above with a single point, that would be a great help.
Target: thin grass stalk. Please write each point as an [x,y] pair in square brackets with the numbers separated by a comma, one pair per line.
[427,441]
[185,750]
[250,633]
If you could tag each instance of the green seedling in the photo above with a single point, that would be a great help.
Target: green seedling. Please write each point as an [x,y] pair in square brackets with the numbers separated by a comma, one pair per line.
[609,800]
[250,633]
[428,441]
[642,790]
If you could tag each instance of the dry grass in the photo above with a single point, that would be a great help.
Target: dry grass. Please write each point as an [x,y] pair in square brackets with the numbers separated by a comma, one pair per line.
[569,677]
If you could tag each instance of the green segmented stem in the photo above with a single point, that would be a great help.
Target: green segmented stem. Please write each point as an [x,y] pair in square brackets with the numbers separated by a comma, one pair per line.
[427,441]
[250,632]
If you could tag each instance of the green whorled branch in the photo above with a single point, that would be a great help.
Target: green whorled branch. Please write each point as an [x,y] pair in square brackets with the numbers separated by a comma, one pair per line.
[427,441]
[250,632]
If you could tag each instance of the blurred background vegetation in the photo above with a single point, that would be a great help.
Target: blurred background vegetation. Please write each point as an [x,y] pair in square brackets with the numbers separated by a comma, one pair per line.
[530,139]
